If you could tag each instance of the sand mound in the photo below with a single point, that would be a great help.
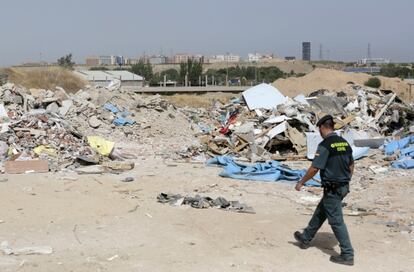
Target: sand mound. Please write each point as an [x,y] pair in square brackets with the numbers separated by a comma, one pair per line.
[334,80]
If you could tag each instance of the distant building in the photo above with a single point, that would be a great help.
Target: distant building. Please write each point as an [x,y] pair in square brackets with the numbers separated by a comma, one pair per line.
[157,59]
[290,58]
[102,78]
[106,60]
[180,58]
[130,61]
[256,57]
[231,58]
[306,51]
[373,61]
[216,59]
[367,70]
[92,61]
[119,60]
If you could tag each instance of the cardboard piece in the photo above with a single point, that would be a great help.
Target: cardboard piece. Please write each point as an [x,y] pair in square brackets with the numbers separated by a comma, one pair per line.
[29,166]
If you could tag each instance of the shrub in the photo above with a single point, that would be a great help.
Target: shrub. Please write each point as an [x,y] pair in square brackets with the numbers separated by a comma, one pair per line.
[373,82]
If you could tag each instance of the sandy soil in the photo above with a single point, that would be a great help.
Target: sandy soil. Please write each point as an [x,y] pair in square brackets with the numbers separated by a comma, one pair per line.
[335,80]
[98,223]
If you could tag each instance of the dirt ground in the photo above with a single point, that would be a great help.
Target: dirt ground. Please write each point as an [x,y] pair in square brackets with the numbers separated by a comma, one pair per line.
[99,223]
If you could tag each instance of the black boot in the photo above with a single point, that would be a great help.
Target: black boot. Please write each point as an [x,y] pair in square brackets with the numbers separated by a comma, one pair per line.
[342,260]
[303,244]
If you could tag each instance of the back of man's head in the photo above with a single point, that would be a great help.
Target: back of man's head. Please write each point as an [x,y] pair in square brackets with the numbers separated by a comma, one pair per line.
[329,124]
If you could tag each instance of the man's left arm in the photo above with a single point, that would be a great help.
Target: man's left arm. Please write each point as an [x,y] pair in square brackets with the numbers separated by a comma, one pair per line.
[309,175]
[319,162]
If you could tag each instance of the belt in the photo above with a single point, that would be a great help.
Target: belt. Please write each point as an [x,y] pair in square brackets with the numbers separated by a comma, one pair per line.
[333,186]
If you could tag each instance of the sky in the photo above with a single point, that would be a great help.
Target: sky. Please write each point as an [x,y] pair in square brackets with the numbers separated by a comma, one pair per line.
[48,29]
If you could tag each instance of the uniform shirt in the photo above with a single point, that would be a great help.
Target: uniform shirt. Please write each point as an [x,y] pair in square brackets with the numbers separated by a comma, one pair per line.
[333,157]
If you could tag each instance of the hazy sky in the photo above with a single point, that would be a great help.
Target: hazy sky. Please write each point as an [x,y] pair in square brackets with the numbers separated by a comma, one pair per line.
[47,29]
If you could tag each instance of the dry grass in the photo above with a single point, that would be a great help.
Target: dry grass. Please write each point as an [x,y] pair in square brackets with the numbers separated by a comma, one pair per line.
[199,100]
[45,78]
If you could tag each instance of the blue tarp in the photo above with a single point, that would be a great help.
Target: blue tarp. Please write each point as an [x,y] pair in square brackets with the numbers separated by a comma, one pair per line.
[123,121]
[395,145]
[121,115]
[405,148]
[268,171]
[112,108]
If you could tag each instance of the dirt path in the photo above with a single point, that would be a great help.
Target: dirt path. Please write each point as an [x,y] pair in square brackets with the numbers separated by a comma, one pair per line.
[98,223]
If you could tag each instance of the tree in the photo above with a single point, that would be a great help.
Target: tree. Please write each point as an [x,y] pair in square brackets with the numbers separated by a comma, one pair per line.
[143,69]
[66,61]
[192,69]
[373,82]
[172,74]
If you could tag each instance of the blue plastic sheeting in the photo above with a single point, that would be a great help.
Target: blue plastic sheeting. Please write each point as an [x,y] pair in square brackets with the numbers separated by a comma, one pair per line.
[269,171]
[121,115]
[395,145]
[112,108]
[405,148]
[123,122]
[403,164]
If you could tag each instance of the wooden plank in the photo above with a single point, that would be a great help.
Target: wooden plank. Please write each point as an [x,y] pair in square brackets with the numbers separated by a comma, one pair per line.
[21,167]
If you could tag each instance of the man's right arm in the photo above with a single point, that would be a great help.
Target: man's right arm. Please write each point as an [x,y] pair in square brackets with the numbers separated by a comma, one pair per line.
[352,168]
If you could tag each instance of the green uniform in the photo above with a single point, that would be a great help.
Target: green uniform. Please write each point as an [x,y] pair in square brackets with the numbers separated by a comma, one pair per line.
[333,157]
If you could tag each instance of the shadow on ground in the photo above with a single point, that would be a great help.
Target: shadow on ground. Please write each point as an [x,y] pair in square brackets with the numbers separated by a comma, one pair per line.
[324,241]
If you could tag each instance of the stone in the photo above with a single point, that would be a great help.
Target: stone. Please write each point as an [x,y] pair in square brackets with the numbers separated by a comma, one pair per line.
[66,105]
[53,107]
[94,122]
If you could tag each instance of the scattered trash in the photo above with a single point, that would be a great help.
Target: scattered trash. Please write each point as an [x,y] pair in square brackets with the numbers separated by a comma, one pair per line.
[32,250]
[110,259]
[200,202]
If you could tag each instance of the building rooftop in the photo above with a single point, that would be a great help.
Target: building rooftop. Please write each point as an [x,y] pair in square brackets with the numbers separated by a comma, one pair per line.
[109,75]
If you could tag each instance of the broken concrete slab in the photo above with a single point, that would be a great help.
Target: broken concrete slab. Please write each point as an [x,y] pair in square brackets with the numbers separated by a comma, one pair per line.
[371,143]
[90,170]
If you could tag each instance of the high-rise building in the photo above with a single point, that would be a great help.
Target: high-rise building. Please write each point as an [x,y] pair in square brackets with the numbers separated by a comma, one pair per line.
[306,51]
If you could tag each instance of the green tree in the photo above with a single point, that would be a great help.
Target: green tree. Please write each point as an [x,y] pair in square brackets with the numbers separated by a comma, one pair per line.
[172,74]
[143,69]
[66,61]
[373,82]
[192,69]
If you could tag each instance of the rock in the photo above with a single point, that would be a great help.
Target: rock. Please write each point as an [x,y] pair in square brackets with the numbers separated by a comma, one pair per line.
[36,93]
[94,122]
[53,107]
[128,179]
[60,94]
[66,105]
[12,99]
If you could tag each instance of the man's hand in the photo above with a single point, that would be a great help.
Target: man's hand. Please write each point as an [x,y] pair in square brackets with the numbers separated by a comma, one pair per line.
[309,174]
[298,186]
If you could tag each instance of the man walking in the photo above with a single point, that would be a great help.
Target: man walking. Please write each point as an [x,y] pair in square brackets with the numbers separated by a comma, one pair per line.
[334,160]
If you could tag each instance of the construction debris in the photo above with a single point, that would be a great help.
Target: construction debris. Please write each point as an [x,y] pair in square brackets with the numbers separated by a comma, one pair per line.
[90,127]
[204,202]
[254,131]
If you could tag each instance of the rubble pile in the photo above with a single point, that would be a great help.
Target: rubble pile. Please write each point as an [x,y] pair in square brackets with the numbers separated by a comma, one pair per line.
[243,129]
[55,128]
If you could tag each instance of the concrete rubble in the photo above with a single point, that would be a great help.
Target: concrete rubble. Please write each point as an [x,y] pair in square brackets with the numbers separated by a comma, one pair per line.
[363,115]
[45,129]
